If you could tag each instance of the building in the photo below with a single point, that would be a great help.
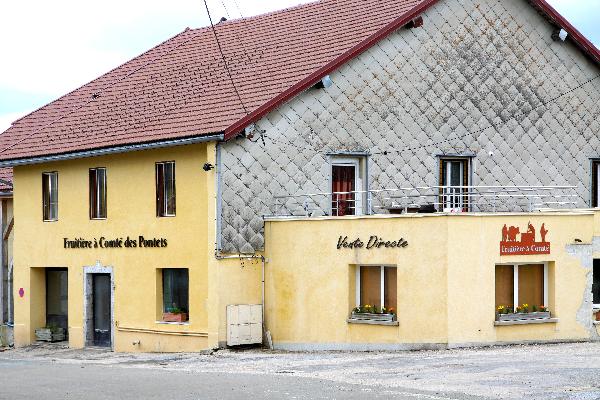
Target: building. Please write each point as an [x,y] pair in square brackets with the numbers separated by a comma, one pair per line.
[437,158]
[6,257]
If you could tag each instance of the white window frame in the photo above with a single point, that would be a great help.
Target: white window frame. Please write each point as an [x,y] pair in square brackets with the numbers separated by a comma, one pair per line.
[381,282]
[358,182]
[458,207]
[516,281]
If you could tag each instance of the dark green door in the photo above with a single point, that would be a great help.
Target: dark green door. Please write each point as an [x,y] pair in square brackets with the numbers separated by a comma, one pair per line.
[102,312]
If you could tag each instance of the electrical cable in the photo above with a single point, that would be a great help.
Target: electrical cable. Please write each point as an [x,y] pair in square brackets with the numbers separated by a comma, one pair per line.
[223,57]
[543,104]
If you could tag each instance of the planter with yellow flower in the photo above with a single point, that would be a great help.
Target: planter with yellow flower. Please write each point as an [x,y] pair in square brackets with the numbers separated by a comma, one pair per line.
[523,312]
[373,313]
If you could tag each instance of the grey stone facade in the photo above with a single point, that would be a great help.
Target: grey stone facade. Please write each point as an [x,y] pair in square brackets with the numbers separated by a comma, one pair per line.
[421,93]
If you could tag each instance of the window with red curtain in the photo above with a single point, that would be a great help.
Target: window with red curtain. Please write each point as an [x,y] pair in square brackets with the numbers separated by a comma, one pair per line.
[343,180]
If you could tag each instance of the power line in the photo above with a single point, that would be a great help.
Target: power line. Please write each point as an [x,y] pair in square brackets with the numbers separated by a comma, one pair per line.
[224,60]
[543,104]
[458,137]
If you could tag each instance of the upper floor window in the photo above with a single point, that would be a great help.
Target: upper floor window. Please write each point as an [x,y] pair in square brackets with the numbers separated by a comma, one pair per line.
[165,189]
[454,177]
[98,193]
[596,283]
[595,183]
[50,195]
[347,187]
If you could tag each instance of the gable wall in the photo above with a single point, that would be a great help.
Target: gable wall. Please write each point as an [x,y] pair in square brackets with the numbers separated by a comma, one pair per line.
[472,64]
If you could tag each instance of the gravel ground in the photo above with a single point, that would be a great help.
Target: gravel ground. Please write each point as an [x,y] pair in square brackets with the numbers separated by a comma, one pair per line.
[560,371]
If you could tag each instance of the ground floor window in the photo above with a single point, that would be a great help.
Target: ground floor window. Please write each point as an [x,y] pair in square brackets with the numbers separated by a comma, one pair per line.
[175,285]
[376,288]
[521,287]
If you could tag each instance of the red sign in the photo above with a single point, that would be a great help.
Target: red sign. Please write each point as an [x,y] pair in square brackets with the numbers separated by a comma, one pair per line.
[509,246]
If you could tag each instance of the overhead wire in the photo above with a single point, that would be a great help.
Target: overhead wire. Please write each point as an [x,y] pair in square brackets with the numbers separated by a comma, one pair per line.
[493,125]
[224,59]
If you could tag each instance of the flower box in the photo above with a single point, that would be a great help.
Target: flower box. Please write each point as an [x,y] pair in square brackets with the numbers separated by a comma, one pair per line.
[523,316]
[175,317]
[373,316]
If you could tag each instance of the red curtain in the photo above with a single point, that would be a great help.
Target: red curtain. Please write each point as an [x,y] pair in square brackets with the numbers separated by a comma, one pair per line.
[343,180]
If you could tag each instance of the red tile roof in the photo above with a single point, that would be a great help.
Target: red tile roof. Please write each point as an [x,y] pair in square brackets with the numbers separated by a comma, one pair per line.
[181,88]
[6,179]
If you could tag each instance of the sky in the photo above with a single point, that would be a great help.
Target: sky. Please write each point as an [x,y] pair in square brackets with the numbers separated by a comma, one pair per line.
[49,48]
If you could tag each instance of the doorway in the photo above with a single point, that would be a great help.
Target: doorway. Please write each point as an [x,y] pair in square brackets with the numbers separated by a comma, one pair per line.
[99,300]
[57,287]
[101,309]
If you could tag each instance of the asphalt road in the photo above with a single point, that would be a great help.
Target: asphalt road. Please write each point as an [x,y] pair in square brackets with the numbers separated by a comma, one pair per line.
[566,371]
[35,380]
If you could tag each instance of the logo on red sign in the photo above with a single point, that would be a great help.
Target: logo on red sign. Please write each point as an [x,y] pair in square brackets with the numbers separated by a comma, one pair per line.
[527,244]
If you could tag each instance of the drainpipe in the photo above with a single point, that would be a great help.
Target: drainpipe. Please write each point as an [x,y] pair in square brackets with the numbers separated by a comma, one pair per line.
[9,296]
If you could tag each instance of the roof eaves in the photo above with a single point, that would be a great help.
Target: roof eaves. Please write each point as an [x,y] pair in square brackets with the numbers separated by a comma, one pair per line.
[111,150]
[316,76]
[583,42]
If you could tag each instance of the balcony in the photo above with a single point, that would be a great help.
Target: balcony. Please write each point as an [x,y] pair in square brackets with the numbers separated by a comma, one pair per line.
[428,199]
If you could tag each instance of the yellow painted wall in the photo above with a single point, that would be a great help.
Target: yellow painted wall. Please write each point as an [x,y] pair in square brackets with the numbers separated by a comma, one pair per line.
[131,212]
[445,278]
[308,296]
[239,282]
[445,286]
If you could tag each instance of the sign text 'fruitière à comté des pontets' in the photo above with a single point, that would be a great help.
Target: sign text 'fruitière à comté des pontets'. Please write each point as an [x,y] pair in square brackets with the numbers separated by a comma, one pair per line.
[374,242]
[509,246]
[113,243]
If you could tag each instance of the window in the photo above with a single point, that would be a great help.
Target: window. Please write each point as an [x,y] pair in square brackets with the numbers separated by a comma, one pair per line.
[175,290]
[522,284]
[595,183]
[165,189]
[596,284]
[454,176]
[98,193]
[376,286]
[346,180]
[50,196]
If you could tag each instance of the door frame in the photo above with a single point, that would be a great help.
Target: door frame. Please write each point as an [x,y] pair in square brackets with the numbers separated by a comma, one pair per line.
[359,183]
[88,311]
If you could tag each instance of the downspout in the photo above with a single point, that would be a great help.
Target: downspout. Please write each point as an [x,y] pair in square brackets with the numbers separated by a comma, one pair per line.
[10,299]
[9,296]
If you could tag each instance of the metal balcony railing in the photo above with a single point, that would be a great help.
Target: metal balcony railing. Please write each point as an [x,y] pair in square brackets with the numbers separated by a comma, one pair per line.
[427,199]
